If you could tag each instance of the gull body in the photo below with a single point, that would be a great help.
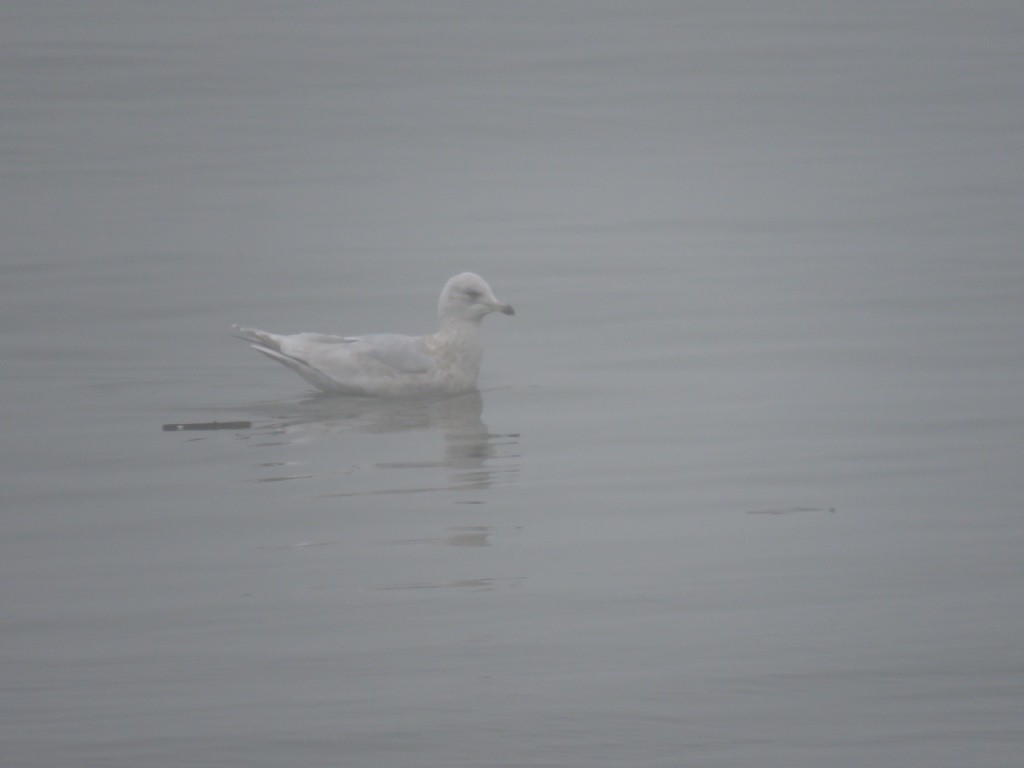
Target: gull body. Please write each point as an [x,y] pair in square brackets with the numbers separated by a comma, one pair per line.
[390,364]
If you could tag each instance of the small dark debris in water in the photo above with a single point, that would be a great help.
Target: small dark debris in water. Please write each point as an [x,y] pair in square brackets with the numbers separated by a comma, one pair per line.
[789,510]
[208,425]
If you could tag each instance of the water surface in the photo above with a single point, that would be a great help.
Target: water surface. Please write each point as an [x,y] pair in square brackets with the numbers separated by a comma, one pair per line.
[742,484]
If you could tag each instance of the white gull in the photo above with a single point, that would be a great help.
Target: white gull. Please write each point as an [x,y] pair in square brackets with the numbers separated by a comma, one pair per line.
[389,364]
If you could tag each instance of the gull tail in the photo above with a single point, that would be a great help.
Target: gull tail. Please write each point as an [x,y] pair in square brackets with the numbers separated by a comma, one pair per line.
[262,339]
[269,344]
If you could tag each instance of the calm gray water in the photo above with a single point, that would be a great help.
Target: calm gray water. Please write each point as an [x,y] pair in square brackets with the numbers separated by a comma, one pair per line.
[743,483]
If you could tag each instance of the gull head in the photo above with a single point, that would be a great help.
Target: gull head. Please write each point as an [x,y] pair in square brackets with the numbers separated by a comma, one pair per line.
[469,297]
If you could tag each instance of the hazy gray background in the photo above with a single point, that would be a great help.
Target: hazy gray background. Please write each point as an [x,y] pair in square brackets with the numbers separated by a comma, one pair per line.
[767,263]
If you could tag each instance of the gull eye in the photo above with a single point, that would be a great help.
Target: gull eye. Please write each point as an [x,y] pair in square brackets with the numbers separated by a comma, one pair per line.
[473,294]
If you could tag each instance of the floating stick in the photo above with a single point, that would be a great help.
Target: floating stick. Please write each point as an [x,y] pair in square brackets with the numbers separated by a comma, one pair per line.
[208,425]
